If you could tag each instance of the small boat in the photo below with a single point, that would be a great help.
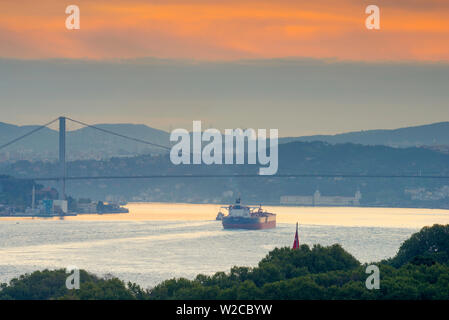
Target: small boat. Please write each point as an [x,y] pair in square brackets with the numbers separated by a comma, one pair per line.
[246,217]
[220,216]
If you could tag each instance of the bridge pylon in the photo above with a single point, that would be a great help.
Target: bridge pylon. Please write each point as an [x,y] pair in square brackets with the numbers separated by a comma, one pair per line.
[62,159]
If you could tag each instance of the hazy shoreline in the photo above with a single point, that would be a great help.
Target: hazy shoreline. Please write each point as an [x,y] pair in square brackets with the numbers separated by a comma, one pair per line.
[327,216]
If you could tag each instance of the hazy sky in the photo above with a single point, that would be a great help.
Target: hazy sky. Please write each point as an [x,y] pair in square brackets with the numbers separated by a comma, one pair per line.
[296,96]
[302,67]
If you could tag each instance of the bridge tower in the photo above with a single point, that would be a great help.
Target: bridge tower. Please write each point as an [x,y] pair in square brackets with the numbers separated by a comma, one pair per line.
[62,162]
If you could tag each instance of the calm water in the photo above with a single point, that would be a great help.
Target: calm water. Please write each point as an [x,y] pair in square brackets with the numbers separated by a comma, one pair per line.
[160,241]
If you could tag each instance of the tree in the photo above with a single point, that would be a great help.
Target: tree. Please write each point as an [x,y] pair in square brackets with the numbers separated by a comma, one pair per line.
[429,245]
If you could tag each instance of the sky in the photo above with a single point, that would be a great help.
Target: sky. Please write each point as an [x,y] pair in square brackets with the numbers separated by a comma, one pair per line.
[305,67]
[230,29]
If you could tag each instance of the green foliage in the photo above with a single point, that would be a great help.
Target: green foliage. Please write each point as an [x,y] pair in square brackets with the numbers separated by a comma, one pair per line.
[315,260]
[15,192]
[283,274]
[51,285]
[18,192]
[428,246]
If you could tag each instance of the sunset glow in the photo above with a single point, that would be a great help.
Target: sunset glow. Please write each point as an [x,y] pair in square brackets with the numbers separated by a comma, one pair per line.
[226,30]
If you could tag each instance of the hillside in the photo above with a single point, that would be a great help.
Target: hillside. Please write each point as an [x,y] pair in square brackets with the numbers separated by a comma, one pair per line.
[435,134]
[295,157]
[87,143]
[84,143]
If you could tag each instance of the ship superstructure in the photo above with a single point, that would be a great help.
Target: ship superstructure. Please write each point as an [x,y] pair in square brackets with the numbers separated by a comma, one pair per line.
[247,217]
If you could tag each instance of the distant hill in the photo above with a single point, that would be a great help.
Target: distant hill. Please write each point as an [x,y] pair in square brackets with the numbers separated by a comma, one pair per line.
[88,143]
[84,143]
[436,134]
[40,146]
[294,158]
[88,140]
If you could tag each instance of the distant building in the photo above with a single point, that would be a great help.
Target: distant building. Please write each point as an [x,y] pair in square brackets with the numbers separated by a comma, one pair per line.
[60,206]
[86,207]
[49,207]
[318,200]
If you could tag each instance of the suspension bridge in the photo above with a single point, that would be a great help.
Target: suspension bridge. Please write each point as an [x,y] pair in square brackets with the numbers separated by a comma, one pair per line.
[62,176]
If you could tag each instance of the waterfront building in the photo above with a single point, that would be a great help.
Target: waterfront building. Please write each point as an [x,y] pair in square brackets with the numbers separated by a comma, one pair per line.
[320,200]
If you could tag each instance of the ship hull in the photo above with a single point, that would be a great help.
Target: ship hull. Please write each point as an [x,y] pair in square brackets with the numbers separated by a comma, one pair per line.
[253,223]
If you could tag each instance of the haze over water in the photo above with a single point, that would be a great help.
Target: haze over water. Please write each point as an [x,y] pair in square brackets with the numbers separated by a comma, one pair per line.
[338,216]
[158,241]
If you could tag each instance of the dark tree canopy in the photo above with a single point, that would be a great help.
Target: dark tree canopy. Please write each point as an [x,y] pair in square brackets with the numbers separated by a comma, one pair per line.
[428,246]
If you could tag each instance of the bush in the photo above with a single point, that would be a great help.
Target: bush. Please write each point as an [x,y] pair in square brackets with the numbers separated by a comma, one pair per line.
[51,285]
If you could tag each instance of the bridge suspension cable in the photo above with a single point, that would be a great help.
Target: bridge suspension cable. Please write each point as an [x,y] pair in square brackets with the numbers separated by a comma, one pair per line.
[230,176]
[28,134]
[119,134]
[322,175]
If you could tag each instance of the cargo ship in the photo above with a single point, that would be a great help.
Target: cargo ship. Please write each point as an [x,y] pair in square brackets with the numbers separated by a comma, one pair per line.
[245,217]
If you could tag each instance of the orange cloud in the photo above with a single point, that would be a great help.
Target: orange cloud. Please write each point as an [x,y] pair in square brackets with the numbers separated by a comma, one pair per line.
[216,29]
